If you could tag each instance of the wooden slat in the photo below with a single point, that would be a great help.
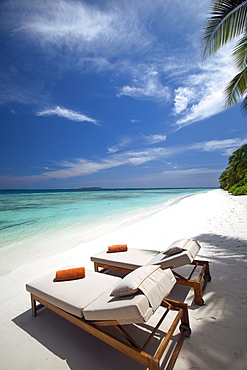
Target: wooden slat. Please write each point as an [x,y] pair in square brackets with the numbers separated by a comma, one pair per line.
[127,336]
[106,323]
[155,329]
[192,272]
[112,268]
[175,352]
[168,336]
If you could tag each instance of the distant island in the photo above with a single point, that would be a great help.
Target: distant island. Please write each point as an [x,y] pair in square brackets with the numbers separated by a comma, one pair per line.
[92,187]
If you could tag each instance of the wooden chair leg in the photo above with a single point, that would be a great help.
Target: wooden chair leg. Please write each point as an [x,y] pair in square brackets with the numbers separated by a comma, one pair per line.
[207,275]
[198,294]
[34,307]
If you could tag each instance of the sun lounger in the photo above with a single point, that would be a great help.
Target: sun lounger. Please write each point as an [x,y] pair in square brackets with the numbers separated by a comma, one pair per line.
[187,250]
[101,300]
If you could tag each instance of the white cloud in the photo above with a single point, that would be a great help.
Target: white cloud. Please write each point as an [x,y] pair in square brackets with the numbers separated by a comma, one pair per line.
[201,94]
[120,145]
[183,96]
[123,143]
[112,149]
[190,172]
[130,40]
[81,167]
[189,178]
[154,139]
[107,36]
[146,86]
[88,27]
[84,167]
[225,146]
[66,113]
[72,34]
[97,64]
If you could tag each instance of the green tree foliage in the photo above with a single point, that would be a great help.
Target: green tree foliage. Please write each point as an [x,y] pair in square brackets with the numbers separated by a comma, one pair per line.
[240,188]
[227,21]
[234,178]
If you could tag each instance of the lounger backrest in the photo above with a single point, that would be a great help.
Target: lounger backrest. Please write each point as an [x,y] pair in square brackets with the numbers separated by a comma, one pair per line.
[135,308]
[186,256]
[193,247]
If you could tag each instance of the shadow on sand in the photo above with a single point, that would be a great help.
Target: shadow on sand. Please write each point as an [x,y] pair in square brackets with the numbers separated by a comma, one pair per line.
[81,350]
[218,328]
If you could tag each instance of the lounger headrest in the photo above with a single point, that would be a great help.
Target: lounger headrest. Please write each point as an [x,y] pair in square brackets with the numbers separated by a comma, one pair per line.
[176,247]
[189,247]
[130,283]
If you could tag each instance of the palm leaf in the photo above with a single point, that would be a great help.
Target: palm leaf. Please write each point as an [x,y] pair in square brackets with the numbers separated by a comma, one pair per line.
[240,52]
[227,21]
[236,88]
[244,105]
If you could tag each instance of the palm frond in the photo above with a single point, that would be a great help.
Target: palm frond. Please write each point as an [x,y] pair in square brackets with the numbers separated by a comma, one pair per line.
[244,105]
[237,88]
[227,21]
[240,52]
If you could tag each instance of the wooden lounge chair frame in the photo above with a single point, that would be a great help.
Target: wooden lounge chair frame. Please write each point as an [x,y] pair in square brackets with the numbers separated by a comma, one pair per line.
[197,285]
[130,348]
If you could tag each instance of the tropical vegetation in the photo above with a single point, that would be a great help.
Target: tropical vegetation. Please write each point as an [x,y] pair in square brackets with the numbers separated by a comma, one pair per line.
[234,178]
[228,20]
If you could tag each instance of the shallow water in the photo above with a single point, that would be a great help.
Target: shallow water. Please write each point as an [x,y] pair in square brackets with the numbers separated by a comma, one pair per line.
[27,212]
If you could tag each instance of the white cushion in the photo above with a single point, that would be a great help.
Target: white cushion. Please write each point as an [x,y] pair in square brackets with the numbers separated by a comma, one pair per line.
[173,261]
[130,283]
[131,309]
[176,247]
[186,256]
[131,259]
[193,247]
[134,308]
[157,286]
[72,295]
[173,250]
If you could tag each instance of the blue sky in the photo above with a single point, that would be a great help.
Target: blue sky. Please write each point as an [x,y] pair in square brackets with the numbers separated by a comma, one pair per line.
[112,94]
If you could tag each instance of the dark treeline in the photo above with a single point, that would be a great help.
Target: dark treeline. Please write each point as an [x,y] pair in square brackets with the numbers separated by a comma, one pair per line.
[234,178]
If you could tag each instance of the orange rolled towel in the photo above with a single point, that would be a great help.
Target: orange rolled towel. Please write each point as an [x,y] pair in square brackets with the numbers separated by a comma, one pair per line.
[70,274]
[117,248]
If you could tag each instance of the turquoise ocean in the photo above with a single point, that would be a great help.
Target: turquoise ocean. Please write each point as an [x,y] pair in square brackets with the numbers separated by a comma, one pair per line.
[24,213]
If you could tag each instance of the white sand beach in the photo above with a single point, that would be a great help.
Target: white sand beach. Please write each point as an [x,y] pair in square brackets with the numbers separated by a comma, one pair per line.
[215,218]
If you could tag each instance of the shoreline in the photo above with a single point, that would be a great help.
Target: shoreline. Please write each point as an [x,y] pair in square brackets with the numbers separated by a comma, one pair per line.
[218,341]
[58,240]
[11,233]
